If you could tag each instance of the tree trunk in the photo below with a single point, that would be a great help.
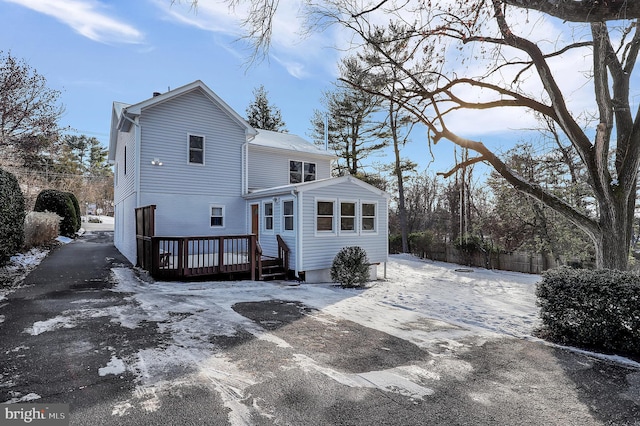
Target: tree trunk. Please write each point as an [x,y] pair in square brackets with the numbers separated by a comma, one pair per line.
[614,240]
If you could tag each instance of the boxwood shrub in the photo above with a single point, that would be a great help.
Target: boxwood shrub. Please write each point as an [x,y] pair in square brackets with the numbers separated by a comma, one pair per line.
[12,211]
[76,207]
[59,202]
[597,309]
[350,267]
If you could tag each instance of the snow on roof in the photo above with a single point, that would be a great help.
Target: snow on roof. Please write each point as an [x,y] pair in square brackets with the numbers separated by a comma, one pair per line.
[287,141]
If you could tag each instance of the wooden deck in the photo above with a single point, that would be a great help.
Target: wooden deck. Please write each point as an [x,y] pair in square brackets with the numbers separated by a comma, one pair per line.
[178,258]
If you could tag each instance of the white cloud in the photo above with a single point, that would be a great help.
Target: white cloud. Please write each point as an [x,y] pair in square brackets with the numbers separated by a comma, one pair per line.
[302,56]
[86,18]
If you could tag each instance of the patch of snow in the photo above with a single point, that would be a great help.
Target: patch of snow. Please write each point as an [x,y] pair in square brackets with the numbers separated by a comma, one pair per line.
[18,397]
[392,380]
[1,319]
[115,366]
[64,240]
[68,319]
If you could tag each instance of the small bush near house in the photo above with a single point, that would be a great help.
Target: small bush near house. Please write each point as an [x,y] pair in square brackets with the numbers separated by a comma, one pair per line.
[597,309]
[11,215]
[76,208]
[58,202]
[350,267]
[40,228]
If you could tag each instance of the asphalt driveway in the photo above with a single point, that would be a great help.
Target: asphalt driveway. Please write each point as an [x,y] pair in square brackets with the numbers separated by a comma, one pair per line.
[68,337]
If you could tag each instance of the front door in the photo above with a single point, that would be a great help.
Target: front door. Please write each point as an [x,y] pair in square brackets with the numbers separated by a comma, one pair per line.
[255,219]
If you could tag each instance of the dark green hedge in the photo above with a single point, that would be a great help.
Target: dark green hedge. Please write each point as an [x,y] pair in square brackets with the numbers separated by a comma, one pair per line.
[597,309]
[59,202]
[12,211]
[76,207]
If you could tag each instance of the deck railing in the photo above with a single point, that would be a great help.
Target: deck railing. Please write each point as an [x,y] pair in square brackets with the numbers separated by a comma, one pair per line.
[187,257]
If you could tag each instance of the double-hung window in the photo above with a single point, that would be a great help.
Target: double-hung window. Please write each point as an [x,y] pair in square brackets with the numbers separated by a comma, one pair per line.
[268,216]
[196,149]
[287,215]
[368,217]
[217,216]
[347,216]
[324,216]
[301,171]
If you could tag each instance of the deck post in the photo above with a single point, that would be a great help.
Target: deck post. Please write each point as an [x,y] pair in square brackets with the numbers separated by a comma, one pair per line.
[252,256]
[220,254]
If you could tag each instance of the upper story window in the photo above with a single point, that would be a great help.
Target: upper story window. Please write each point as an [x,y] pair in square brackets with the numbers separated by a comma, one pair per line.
[196,149]
[301,171]
[287,214]
[268,216]
[369,217]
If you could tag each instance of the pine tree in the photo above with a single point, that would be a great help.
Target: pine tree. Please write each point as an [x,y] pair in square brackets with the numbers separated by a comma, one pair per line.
[262,115]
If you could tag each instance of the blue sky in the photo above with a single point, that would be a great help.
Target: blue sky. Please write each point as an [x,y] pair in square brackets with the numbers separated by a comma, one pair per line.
[96,52]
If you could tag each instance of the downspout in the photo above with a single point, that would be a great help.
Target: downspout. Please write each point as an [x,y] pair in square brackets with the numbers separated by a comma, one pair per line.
[299,231]
[245,167]
[296,270]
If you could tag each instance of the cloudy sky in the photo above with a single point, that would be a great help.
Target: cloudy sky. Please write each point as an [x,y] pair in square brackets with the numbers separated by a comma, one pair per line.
[98,51]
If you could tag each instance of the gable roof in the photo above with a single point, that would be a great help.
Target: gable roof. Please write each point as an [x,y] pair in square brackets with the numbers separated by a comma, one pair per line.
[289,142]
[122,115]
[307,186]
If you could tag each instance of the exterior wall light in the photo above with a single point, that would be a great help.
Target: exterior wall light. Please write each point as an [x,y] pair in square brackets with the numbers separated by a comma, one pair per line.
[156,162]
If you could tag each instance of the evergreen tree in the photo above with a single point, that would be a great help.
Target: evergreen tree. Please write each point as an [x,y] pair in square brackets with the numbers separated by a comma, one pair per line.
[262,115]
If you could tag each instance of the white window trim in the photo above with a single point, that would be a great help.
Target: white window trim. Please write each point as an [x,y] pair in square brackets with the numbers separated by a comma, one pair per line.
[224,216]
[356,217]
[332,233]
[264,218]
[204,144]
[293,215]
[302,170]
[376,221]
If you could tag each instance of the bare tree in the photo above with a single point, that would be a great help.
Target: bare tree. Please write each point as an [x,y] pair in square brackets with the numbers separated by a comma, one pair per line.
[429,29]
[29,110]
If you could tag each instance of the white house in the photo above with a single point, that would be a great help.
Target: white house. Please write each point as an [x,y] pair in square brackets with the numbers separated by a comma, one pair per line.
[209,173]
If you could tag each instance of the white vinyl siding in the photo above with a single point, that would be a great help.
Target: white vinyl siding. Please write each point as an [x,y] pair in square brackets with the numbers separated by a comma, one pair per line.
[319,249]
[269,167]
[163,132]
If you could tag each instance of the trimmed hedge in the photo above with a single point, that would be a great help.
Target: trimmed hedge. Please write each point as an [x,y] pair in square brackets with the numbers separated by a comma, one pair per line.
[597,309]
[350,267]
[59,202]
[76,207]
[12,212]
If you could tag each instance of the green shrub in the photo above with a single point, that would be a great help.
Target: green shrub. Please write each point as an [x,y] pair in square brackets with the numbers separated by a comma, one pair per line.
[58,202]
[76,208]
[596,309]
[420,243]
[395,243]
[40,228]
[350,267]
[12,211]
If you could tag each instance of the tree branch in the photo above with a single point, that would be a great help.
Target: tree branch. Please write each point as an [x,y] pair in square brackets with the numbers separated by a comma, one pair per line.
[583,10]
